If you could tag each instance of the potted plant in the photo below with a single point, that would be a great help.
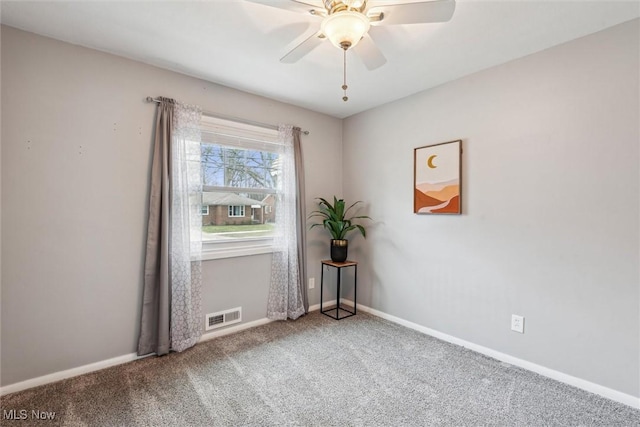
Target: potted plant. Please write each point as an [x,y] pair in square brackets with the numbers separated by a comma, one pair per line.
[334,219]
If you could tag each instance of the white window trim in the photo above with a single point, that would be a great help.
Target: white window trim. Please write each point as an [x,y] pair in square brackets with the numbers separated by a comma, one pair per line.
[236,248]
[204,213]
[231,210]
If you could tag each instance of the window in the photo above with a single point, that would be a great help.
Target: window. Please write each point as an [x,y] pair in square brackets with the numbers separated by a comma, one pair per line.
[205,210]
[235,211]
[241,172]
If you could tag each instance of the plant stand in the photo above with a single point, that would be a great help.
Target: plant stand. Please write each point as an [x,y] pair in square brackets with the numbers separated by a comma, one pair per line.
[339,266]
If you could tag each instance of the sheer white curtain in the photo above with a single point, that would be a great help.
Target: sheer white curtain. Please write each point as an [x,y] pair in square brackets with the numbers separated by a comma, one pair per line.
[285,291]
[186,228]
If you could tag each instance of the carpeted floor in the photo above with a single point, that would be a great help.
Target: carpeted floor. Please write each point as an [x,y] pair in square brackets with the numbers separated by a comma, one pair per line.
[361,371]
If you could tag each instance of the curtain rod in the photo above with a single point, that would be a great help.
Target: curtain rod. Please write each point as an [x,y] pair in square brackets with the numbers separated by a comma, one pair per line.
[235,119]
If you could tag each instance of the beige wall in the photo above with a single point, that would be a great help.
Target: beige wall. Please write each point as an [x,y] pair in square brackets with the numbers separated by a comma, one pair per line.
[549,228]
[76,136]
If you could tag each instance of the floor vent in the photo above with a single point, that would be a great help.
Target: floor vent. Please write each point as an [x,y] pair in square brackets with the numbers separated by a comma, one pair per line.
[223,318]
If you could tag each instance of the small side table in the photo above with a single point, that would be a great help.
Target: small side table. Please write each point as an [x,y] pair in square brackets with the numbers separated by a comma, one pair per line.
[339,266]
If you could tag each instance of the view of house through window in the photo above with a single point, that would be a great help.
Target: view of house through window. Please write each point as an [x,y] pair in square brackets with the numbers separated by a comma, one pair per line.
[240,169]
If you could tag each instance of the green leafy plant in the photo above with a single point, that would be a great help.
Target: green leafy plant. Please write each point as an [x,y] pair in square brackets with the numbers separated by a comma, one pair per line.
[334,218]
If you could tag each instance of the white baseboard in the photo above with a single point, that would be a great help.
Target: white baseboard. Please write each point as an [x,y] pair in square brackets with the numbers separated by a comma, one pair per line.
[598,389]
[316,307]
[69,373]
[92,367]
[233,329]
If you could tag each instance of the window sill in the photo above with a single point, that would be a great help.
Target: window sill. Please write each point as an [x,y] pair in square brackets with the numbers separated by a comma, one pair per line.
[232,249]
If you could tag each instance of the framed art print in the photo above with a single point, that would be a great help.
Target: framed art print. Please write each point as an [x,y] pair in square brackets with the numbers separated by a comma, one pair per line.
[437,178]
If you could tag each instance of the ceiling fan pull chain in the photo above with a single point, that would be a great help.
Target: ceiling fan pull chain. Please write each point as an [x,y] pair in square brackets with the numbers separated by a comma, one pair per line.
[345,98]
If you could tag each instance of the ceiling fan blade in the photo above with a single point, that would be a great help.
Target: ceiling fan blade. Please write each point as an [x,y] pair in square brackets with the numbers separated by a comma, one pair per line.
[295,54]
[293,5]
[415,13]
[369,53]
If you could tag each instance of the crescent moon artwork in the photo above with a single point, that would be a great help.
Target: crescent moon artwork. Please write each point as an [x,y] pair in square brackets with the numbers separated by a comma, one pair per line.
[437,178]
[430,161]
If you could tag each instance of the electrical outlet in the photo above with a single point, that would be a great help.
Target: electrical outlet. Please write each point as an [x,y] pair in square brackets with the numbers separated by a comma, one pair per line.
[517,323]
[312,283]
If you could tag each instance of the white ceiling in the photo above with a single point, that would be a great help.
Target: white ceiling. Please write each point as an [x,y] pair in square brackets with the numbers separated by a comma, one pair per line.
[238,44]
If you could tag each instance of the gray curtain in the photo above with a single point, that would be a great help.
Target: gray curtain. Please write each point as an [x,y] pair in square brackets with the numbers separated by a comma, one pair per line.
[301,217]
[171,307]
[155,321]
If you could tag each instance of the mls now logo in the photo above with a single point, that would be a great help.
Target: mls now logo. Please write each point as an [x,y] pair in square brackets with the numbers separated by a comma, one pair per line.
[23,414]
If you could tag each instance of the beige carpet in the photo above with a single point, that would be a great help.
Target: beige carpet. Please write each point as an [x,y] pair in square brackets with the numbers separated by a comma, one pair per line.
[360,371]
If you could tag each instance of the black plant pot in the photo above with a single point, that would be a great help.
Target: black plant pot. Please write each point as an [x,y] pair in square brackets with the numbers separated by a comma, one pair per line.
[339,250]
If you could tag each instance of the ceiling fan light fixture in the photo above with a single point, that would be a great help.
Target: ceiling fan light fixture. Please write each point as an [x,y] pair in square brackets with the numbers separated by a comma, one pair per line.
[345,28]
[355,4]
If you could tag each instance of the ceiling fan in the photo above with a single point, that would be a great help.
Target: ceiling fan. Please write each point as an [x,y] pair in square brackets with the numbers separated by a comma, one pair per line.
[349,24]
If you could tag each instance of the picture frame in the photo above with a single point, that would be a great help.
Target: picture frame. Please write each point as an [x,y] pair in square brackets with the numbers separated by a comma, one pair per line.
[437,179]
